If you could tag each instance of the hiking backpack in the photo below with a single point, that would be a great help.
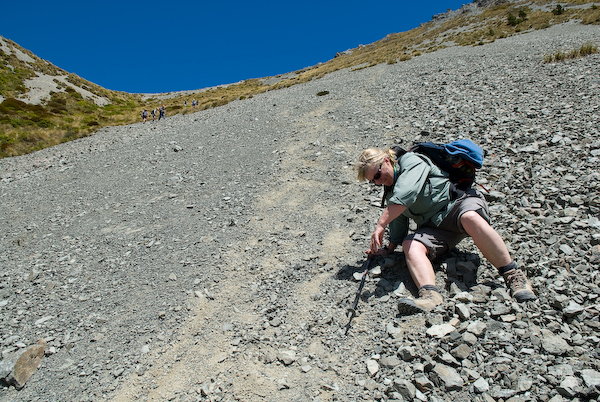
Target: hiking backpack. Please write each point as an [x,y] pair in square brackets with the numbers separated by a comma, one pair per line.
[460,159]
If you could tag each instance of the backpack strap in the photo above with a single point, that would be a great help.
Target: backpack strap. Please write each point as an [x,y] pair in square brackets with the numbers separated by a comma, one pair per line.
[399,151]
[454,191]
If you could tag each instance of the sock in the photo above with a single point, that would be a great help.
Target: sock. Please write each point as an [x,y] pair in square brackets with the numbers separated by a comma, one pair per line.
[430,287]
[503,270]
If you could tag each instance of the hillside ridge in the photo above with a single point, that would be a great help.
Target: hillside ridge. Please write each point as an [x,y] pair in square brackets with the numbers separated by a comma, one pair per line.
[41,105]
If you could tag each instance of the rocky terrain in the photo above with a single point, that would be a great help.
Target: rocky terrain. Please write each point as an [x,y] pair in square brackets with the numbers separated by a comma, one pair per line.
[212,256]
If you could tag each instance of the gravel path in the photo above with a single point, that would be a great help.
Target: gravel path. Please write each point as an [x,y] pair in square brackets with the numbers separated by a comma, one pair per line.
[210,256]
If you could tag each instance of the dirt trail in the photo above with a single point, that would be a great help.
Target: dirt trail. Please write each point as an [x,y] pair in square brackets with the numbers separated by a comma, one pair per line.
[205,350]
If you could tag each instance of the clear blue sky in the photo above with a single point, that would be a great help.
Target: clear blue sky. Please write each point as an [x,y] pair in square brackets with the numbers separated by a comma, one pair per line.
[161,46]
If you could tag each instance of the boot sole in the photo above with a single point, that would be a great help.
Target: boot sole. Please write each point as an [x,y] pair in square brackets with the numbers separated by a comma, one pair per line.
[408,307]
[524,296]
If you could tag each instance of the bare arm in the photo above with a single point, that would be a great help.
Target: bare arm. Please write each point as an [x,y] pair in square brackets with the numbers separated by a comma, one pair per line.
[391,212]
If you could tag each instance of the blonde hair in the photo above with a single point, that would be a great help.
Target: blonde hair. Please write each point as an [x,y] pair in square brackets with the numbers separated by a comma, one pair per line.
[370,157]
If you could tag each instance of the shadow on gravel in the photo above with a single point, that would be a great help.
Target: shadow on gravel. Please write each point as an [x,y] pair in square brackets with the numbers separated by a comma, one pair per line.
[459,269]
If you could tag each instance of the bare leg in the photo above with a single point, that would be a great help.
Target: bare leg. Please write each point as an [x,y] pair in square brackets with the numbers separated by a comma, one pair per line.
[418,263]
[487,240]
[421,270]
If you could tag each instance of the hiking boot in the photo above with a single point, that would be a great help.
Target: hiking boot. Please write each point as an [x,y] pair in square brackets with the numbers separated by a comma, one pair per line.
[519,285]
[427,301]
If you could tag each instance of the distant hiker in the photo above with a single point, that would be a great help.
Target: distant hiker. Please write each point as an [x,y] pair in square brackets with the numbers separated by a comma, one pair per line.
[162,112]
[194,102]
[144,115]
[153,114]
[417,189]
[185,103]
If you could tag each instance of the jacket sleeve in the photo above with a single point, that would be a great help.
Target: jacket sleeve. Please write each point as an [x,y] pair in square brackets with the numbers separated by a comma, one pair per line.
[398,229]
[412,178]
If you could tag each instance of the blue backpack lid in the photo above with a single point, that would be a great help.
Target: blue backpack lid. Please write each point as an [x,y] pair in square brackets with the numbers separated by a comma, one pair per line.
[467,149]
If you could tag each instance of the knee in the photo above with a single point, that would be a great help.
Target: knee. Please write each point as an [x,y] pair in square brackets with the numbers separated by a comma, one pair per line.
[471,221]
[412,249]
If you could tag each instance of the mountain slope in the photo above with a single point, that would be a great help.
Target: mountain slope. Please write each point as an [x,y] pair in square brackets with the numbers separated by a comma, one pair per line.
[44,105]
[212,257]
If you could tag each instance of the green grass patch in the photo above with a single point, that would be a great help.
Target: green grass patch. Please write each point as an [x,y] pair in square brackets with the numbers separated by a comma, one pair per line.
[585,50]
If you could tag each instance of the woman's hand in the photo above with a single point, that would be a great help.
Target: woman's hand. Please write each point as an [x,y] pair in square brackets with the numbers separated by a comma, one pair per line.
[383,251]
[390,213]
[377,239]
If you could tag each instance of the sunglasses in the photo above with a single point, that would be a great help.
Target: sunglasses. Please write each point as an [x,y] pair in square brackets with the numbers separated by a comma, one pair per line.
[377,175]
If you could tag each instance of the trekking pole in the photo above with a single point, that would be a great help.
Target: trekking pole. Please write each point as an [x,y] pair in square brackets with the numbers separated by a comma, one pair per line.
[365,268]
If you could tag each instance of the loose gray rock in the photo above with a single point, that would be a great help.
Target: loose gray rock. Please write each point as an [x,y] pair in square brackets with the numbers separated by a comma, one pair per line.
[423,383]
[591,378]
[481,385]
[461,352]
[26,364]
[573,309]
[477,328]
[439,331]
[463,311]
[389,361]
[372,367]
[405,388]
[287,357]
[569,387]
[554,344]
[448,377]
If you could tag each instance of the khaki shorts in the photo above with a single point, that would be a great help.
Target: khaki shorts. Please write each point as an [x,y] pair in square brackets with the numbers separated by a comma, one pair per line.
[440,239]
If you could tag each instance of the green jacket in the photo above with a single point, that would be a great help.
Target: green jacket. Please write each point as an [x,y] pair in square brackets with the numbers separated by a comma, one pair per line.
[423,189]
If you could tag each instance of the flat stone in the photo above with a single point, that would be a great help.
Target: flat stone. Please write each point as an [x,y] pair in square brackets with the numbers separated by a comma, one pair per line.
[449,377]
[477,328]
[423,383]
[391,329]
[449,359]
[287,357]
[372,367]
[499,309]
[6,366]
[498,393]
[561,370]
[502,294]
[399,289]
[375,271]
[554,344]
[572,309]
[566,249]
[357,276]
[590,377]
[463,311]
[524,384]
[390,361]
[569,387]
[469,338]
[405,388]
[481,385]
[464,297]
[461,352]
[407,353]
[508,318]
[43,320]
[441,330]
[27,364]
